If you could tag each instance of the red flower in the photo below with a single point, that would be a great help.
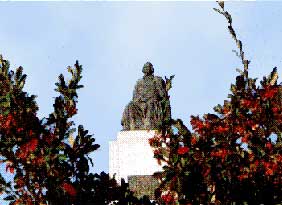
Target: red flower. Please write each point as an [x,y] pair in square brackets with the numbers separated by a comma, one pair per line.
[167,198]
[39,160]
[182,150]
[20,182]
[275,109]
[251,157]
[268,92]
[242,176]
[269,172]
[157,152]
[207,172]
[244,139]
[221,153]
[197,124]
[266,165]
[32,144]
[268,145]
[69,189]
[153,141]
[71,110]
[9,121]
[22,153]
[12,170]
[9,167]
[279,158]
[50,138]
[20,129]
[239,130]
[193,140]
[246,103]
[257,163]
[220,129]
[168,136]
[226,111]
[26,148]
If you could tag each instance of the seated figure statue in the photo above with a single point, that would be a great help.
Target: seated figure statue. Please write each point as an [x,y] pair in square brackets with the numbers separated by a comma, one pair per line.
[150,104]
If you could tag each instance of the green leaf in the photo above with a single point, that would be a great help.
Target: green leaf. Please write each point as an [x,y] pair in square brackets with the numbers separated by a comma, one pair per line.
[187,173]
[62,157]
[8,198]
[5,104]
[233,88]
[6,112]
[174,158]
[183,161]
[218,108]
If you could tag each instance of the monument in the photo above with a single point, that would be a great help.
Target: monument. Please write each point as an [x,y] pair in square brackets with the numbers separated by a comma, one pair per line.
[150,104]
[131,155]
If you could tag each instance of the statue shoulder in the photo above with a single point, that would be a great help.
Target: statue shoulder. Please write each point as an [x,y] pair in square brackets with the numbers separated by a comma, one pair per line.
[139,82]
[159,80]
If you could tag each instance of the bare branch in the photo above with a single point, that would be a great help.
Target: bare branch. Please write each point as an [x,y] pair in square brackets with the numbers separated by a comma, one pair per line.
[240,54]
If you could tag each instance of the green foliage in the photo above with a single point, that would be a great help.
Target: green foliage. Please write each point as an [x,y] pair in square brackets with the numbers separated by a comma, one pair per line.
[48,163]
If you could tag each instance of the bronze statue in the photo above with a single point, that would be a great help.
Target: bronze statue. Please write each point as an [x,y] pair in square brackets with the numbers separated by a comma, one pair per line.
[150,104]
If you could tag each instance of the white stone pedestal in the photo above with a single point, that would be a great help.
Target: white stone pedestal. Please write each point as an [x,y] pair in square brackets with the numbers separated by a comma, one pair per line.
[131,154]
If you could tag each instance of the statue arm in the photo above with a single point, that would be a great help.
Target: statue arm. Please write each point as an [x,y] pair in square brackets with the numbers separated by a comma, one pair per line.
[161,88]
[136,93]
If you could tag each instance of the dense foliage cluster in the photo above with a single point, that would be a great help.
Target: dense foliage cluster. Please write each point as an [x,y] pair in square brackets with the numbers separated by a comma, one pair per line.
[233,154]
[46,161]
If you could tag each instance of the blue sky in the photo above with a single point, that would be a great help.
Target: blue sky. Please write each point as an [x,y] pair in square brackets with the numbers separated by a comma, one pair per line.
[112,40]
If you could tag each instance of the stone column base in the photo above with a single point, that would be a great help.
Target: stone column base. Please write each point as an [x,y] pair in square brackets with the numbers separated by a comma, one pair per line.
[131,155]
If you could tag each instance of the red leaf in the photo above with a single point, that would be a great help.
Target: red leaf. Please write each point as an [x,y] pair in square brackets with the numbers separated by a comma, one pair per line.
[246,103]
[244,139]
[20,129]
[193,140]
[9,167]
[269,172]
[275,109]
[268,145]
[168,198]
[221,129]
[182,150]
[33,144]
[268,92]
[69,189]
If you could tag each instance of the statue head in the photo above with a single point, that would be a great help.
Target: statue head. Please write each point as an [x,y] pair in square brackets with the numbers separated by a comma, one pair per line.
[148,69]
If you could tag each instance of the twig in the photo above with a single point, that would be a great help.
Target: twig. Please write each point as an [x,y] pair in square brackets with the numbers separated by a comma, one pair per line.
[240,54]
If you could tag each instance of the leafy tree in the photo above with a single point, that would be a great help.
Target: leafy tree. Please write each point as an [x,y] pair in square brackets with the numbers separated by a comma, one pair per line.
[47,162]
[231,155]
